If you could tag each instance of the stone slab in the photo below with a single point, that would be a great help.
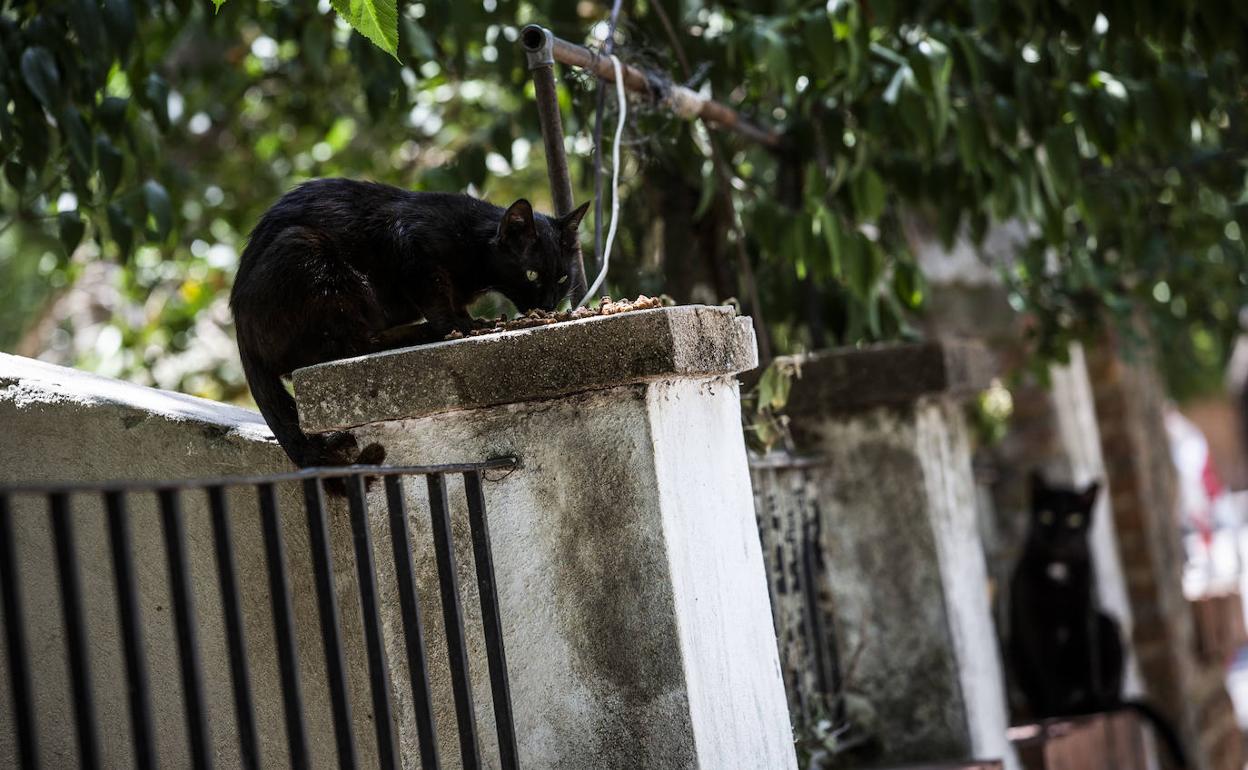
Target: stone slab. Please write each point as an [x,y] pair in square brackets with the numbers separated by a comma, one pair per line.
[525,365]
[849,379]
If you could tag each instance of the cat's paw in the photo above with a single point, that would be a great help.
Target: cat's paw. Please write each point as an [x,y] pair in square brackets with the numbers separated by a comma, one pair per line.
[373,454]
[339,449]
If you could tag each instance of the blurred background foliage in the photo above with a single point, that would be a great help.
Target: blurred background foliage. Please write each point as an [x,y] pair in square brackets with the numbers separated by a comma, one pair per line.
[141,139]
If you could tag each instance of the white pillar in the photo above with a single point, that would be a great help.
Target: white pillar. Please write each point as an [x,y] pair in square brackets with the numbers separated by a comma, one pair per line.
[635,610]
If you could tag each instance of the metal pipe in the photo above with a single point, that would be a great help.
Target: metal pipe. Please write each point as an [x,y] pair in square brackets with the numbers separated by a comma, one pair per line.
[538,48]
[683,101]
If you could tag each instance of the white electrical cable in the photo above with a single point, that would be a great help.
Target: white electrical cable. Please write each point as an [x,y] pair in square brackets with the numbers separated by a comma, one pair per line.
[615,181]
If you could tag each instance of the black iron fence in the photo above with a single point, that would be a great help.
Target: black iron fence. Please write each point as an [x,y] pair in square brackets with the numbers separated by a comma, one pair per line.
[63,520]
[791,530]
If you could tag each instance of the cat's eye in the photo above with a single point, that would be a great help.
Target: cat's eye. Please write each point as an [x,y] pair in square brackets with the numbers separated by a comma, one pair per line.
[563,280]
[1074,520]
[1046,517]
[531,275]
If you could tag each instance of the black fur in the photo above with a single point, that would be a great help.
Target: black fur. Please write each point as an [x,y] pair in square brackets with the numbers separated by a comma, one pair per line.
[1066,655]
[340,268]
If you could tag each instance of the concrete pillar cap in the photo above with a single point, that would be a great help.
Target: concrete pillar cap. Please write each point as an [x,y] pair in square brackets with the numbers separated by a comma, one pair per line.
[849,379]
[525,365]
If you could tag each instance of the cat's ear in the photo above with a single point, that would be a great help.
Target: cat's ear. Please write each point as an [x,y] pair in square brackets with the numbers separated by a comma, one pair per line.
[1038,484]
[517,224]
[1088,496]
[570,222]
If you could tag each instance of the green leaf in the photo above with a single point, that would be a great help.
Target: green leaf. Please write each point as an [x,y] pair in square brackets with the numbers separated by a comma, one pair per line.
[112,112]
[158,207]
[41,76]
[156,91]
[216,5]
[418,41]
[121,229]
[119,20]
[710,184]
[15,172]
[774,387]
[868,193]
[71,229]
[78,136]
[87,24]
[6,120]
[830,227]
[908,284]
[377,20]
[110,162]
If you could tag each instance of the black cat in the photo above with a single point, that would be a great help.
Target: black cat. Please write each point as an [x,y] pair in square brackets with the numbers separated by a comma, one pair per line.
[339,268]
[1066,655]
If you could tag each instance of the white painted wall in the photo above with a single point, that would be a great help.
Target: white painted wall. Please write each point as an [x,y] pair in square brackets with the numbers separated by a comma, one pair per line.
[635,608]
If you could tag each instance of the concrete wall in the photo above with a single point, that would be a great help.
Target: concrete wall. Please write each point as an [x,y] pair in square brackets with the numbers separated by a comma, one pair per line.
[59,425]
[909,584]
[903,578]
[628,566]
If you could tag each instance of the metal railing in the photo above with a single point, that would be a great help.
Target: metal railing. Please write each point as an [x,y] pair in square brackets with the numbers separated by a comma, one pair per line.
[790,528]
[130,626]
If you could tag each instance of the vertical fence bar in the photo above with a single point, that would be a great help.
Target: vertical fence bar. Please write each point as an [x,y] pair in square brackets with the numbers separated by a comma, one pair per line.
[818,642]
[227,579]
[284,627]
[75,629]
[131,629]
[378,670]
[15,638]
[413,626]
[492,620]
[184,618]
[327,603]
[457,652]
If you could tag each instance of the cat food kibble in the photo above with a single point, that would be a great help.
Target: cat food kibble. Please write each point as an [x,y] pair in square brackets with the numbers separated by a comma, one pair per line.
[543,318]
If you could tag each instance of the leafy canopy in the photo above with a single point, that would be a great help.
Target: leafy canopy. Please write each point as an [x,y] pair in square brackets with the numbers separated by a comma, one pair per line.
[150,134]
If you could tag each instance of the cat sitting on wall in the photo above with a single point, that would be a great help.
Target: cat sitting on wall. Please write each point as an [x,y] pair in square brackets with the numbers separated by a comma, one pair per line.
[1067,655]
[339,268]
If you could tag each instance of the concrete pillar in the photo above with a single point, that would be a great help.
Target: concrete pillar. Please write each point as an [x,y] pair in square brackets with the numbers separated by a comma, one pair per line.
[906,587]
[630,576]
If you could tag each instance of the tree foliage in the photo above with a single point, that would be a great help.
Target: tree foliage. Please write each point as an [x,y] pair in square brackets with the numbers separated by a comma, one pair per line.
[152,133]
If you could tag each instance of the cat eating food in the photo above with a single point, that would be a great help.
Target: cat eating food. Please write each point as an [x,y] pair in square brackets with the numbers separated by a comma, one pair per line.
[340,268]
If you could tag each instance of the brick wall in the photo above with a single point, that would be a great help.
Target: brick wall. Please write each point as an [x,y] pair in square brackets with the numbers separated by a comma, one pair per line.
[1130,400]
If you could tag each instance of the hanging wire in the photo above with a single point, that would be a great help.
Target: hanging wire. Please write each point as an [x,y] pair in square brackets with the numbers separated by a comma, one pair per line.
[615,180]
[608,48]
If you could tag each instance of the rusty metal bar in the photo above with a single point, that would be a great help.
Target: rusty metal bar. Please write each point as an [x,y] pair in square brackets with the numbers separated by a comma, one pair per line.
[76,644]
[680,99]
[180,591]
[538,45]
[15,637]
[131,630]
[231,609]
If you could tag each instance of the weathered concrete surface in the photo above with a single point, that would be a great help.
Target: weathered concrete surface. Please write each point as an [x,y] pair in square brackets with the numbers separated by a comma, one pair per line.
[59,424]
[908,582]
[629,571]
[847,379]
[905,583]
[525,365]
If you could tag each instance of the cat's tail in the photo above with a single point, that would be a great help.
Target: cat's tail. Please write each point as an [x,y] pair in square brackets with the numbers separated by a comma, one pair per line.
[1164,728]
[278,408]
